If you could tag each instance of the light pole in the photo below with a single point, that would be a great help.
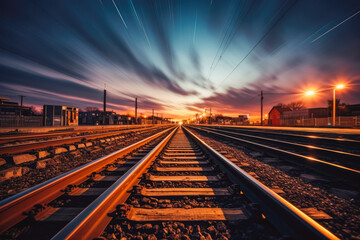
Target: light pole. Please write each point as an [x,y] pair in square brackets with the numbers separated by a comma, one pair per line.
[261,100]
[340,86]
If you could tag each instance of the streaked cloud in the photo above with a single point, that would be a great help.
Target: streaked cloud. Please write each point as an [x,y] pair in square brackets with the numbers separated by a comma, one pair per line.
[175,55]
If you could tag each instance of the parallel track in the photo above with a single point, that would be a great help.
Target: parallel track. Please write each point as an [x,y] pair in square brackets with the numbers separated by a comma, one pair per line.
[325,140]
[346,167]
[19,148]
[26,137]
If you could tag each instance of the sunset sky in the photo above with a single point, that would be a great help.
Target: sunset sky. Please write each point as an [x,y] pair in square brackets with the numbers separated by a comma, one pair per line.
[179,57]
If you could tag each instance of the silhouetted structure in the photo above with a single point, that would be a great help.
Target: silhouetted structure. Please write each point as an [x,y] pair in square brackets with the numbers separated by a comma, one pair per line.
[13,115]
[13,108]
[306,113]
[97,117]
[60,115]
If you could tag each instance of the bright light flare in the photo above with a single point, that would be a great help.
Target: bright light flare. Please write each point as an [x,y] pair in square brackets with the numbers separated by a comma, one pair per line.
[180,123]
[340,86]
[310,93]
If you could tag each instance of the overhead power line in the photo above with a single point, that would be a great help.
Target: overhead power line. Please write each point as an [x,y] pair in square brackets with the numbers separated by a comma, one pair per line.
[261,39]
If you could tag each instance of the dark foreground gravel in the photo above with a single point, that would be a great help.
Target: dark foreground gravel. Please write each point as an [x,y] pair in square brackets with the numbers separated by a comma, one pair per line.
[345,213]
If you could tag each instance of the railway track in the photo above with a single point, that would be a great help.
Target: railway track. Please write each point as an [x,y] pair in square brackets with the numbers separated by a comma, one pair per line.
[342,165]
[24,147]
[179,188]
[49,204]
[325,140]
[26,137]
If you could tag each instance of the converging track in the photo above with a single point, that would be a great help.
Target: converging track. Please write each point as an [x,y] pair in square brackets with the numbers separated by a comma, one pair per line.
[175,186]
[325,160]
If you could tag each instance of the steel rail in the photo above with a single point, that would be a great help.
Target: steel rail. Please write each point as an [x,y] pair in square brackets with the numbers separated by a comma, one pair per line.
[285,216]
[288,134]
[93,219]
[57,142]
[12,208]
[348,173]
[290,143]
[23,137]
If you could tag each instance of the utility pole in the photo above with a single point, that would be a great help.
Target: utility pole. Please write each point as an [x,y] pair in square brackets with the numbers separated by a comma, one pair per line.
[104,115]
[21,100]
[21,104]
[136,120]
[153,117]
[210,117]
[262,98]
[334,109]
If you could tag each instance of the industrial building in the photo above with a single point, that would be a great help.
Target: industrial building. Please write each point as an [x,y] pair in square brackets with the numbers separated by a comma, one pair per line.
[13,108]
[306,113]
[96,117]
[60,115]
[14,115]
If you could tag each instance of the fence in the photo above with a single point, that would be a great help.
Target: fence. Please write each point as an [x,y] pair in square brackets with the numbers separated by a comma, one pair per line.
[23,121]
[353,122]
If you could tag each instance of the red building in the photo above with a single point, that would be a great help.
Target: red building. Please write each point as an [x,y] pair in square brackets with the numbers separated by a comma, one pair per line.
[275,115]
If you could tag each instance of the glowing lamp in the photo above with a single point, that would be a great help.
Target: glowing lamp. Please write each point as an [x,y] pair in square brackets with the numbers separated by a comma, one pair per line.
[309,93]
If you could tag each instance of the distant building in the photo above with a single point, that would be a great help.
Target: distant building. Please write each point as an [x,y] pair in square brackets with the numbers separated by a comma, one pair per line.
[354,109]
[13,108]
[111,118]
[60,115]
[14,115]
[95,117]
[223,120]
[157,120]
[275,115]
[242,120]
[306,113]
[347,110]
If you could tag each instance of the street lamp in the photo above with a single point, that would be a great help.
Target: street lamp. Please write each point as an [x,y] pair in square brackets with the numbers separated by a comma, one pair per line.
[340,86]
